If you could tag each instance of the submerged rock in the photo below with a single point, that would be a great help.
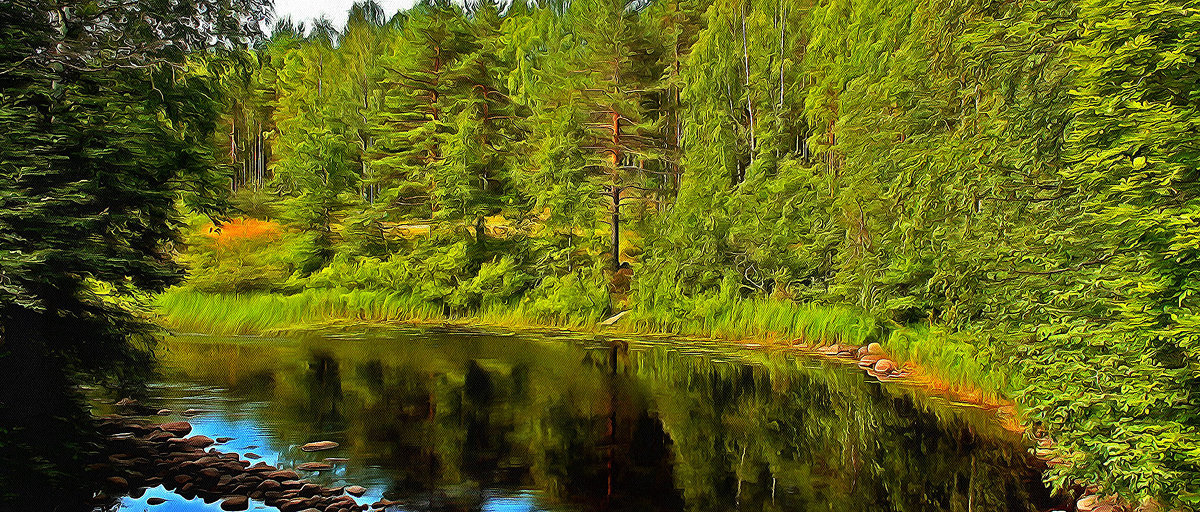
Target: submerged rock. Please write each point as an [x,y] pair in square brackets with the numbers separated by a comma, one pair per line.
[319,445]
[314,466]
[235,503]
[356,490]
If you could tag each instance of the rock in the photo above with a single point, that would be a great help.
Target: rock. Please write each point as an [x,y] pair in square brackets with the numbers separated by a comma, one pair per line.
[613,319]
[310,489]
[179,428]
[199,441]
[282,474]
[862,351]
[314,466]
[155,501]
[252,455]
[874,349]
[126,402]
[163,412]
[319,445]
[356,490]
[235,503]
[831,350]
[336,459]
[182,479]
[884,366]
[269,485]
[224,439]
[210,472]
[868,361]
[194,412]
[117,482]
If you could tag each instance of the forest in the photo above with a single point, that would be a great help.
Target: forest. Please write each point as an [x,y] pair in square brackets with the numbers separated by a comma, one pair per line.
[1002,192]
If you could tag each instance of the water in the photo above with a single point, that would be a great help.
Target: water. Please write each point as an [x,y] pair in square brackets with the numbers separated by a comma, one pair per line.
[461,421]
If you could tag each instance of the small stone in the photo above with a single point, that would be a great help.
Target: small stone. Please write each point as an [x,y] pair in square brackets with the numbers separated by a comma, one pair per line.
[252,455]
[182,479]
[336,459]
[155,501]
[224,439]
[235,503]
[199,441]
[126,401]
[314,466]
[163,412]
[319,445]
[309,489]
[282,475]
[117,482]
[356,490]
[210,472]
[269,485]
[179,428]
[194,412]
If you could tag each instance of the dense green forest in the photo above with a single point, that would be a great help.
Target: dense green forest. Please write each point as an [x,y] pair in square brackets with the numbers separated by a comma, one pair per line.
[1004,191]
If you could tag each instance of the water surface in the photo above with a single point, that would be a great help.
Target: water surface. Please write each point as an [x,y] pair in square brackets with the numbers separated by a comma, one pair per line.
[465,421]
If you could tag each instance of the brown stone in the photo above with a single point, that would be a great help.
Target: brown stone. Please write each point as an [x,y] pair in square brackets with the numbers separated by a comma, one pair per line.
[269,485]
[235,503]
[179,428]
[155,501]
[282,475]
[314,466]
[182,479]
[252,455]
[319,445]
[336,459]
[199,441]
[210,472]
[117,482]
[884,366]
[309,489]
[356,490]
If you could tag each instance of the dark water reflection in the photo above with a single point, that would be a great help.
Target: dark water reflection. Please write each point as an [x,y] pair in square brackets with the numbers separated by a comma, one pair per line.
[452,421]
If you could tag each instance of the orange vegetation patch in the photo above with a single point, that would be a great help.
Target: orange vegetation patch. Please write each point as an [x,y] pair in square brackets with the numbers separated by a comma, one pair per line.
[242,230]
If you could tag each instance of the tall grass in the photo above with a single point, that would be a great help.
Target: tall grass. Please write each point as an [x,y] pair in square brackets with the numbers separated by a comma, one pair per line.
[766,319]
[264,312]
[956,360]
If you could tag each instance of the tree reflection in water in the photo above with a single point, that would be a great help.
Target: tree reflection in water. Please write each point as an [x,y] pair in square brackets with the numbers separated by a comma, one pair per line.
[450,421]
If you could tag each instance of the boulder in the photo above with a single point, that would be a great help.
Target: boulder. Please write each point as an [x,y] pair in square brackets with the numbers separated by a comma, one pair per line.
[117,482]
[282,475]
[874,349]
[179,428]
[356,490]
[884,366]
[235,503]
[199,441]
[319,445]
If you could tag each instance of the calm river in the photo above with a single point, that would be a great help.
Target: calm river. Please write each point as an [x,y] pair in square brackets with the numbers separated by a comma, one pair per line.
[439,420]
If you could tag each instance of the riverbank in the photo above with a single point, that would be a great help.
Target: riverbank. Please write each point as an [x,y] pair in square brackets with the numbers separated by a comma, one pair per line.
[943,365]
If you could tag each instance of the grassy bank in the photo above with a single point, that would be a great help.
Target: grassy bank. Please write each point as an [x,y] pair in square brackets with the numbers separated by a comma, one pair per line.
[950,361]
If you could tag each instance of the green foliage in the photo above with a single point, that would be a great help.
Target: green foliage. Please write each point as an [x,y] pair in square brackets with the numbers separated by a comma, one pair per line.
[1000,191]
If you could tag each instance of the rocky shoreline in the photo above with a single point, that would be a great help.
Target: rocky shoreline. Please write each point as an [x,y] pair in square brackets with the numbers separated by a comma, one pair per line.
[144,455]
